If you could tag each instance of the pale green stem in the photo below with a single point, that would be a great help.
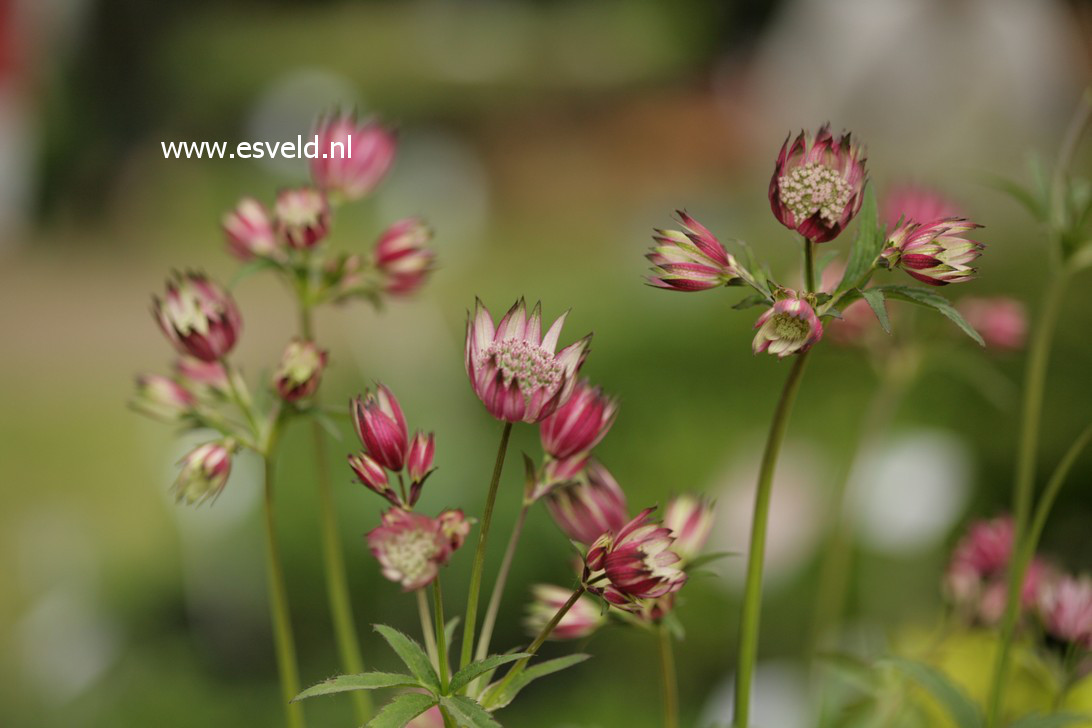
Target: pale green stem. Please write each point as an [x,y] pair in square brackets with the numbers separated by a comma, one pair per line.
[491,611]
[809,265]
[670,681]
[441,638]
[426,627]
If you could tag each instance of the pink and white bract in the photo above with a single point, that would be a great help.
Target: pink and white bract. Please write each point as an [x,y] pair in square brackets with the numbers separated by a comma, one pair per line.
[368,151]
[202,377]
[588,506]
[790,326]
[205,471]
[691,259]
[300,371]
[198,317]
[402,256]
[249,231]
[690,519]
[512,366]
[162,398]
[580,424]
[637,563]
[582,619]
[381,427]
[1066,610]
[915,203]
[301,217]
[817,184]
[936,252]
[411,547]
[422,451]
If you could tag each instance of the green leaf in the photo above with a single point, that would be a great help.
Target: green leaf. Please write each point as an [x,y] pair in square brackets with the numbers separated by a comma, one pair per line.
[874,297]
[249,269]
[463,677]
[1058,720]
[755,299]
[468,713]
[699,561]
[853,670]
[449,634]
[542,669]
[402,710]
[935,301]
[954,701]
[363,681]
[866,247]
[412,654]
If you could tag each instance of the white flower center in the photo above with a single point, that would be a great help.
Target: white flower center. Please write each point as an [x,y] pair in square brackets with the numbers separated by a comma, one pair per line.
[813,188]
[410,552]
[532,367]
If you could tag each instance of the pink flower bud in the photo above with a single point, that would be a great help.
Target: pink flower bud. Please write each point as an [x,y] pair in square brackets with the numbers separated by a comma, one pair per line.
[368,153]
[198,317]
[914,203]
[162,398]
[302,217]
[1001,321]
[410,548]
[421,453]
[935,252]
[582,619]
[372,475]
[790,326]
[402,256]
[205,471]
[512,366]
[381,427]
[817,184]
[249,231]
[637,563]
[455,527]
[584,509]
[300,371]
[691,259]
[203,377]
[580,424]
[1066,610]
[690,519]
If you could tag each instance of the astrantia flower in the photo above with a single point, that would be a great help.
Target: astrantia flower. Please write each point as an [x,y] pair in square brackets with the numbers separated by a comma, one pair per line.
[582,619]
[634,563]
[402,256]
[914,203]
[1002,321]
[790,326]
[1066,609]
[301,217]
[162,398]
[587,507]
[513,368]
[300,370]
[249,231]
[381,427]
[351,171]
[817,183]
[455,526]
[690,519]
[580,424]
[936,252]
[691,259]
[372,475]
[410,548]
[198,317]
[202,377]
[205,471]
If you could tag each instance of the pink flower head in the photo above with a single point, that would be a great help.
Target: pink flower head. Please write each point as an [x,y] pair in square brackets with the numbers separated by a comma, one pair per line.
[300,371]
[790,326]
[203,377]
[455,526]
[690,519]
[1066,610]
[583,618]
[249,231]
[162,398]
[205,471]
[422,450]
[914,203]
[381,427]
[935,252]
[410,548]
[985,549]
[589,506]
[817,184]
[691,259]
[1002,321]
[988,597]
[580,424]
[351,171]
[513,368]
[636,561]
[198,317]
[402,256]
[372,475]
[302,217]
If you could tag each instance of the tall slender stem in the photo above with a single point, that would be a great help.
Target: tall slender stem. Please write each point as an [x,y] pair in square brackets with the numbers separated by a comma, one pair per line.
[426,627]
[809,266]
[441,637]
[670,682]
[479,554]
[283,640]
[491,611]
[752,593]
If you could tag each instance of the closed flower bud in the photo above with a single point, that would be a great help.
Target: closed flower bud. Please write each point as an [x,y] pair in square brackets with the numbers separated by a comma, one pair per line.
[204,378]
[580,424]
[1001,321]
[302,217]
[249,231]
[365,156]
[691,259]
[690,519]
[817,184]
[421,453]
[300,370]
[162,398]
[205,471]
[935,252]
[402,256]
[198,317]
[381,427]
[637,562]
[372,475]
[583,618]
[1066,610]
[587,507]
[410,548]
[790,326]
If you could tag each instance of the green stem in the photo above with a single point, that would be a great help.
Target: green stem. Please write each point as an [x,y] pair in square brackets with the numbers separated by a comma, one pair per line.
[670,682]
[426,627]
[491,611]
[1053,487]
[752,593]
[479,554]
[809,266]
[441,638]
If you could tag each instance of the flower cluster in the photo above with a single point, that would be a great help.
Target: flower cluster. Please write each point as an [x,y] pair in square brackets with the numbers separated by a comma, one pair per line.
[411,547]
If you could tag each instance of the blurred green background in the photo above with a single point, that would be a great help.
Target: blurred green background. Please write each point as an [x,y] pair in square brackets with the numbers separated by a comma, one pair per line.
[544,141]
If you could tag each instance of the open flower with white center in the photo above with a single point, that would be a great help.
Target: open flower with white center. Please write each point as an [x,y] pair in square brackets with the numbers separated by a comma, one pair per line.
[301,217]
[691,259]
[583,618]
[817,184]
[411,547]
[363,159]
[512,366]
[205,471]
[636,562]
[936,252]
[790,326]
[199,317]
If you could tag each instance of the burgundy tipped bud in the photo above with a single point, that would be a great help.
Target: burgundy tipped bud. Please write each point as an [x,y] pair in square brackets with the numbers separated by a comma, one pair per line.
[162,398]
[1066,610]
[351,171]
[580,424]
[381,427]
[419,459]
[1001,321]
[817,184]
[934,252]
[302,217]
[691,259]
[402,256]
[637,563]
[249,231]
[205,471]
[690,519]
[583,618]
[372,475]
[300,370]
[512,366]
[790,326]
[590,505]
[410,548]
[198,317]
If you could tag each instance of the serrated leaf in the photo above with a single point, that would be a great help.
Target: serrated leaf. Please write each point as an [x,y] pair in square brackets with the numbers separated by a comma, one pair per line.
[755,299]
[402,710]
[1058,720]
[950,697]
[412,655]
[496,701]
[363,681]
[463,677]
[249,269]
[935,301]
[866,247]
[467,713]
[874,297]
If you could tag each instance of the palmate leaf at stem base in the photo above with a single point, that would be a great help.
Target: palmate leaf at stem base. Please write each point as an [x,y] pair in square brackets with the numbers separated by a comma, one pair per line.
[464,676]
[412,655]
[402,710]
[467,713]
[542,669]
